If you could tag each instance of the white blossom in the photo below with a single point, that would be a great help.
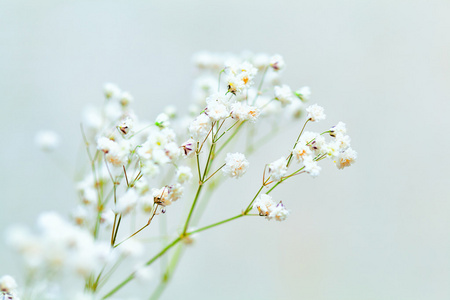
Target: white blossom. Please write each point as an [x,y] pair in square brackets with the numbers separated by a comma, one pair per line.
[184,174]
[339,128]
[311,167]
[125,98]
[200,127]
[111,90]
[243,112]
[7,284]
[346,158]
[284,94]
[235,165]
[315,113]
[277,169]
[303,93]
[277,62]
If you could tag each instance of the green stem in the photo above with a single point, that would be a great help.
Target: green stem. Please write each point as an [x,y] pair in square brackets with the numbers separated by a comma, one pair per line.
[215,224]
[296,142]
[230,138]
[148,263]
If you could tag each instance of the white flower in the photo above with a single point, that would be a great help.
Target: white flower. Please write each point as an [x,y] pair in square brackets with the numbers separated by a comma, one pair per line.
[188,147]
[171,111]
[111,90]
[303,93]
[242,112]
[200,127]
[7,284]
[343,141]
[279,213]
[284,94]
[235,165]
[261,61]
[47,140]
[346,158]
[235,84]
[301,152]
[184,174]
[106,145]
[264,204]
[150,168]
[216,111]
[268,208]
[126,125]
[172,150]
[339,128]
[162,120]
[125,98]
[127,202]
[277,169]
[311,167]
[277,62]
[315,113]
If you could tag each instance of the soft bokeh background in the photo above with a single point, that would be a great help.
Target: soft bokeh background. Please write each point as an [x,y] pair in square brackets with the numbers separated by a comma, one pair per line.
[378,230]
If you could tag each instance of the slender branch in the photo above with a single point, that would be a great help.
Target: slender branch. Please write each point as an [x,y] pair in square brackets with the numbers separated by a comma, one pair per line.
[148,263]
[296,142]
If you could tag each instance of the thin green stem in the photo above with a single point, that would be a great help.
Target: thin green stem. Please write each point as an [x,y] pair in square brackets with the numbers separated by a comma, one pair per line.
[296,142]
[215,224]
[230,138]
[148,263]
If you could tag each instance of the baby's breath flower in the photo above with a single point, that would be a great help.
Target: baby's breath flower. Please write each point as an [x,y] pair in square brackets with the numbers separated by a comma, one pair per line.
[200,127]
[303,93]
[268,208]
[315,113]
[47,140]
[279,213]
[277,62]
[284,94]
[125,98]
[126,125]
[346,158]
[302,152]
[171,111]
[242,112]
[235,165]
[339,128]
[235,84]
[311,167]
[7,284]
[162,120]
[184,174]
[188,147]
[343,141]
[261,61]
[111,90]
[264,204]
[216,111]
[277,169]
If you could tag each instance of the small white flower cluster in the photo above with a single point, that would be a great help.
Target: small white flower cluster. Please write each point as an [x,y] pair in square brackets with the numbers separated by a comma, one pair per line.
[270,209]
[8,288]
[139,168]
[58,246]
